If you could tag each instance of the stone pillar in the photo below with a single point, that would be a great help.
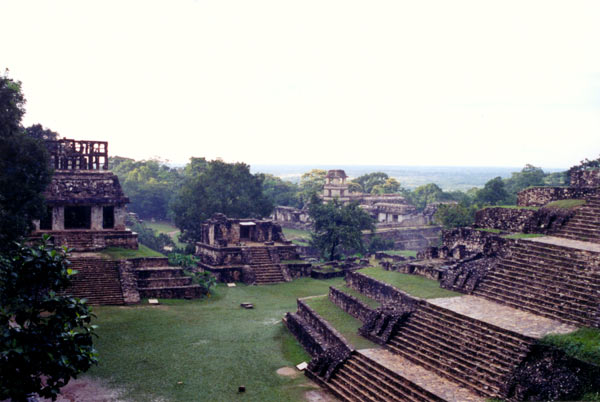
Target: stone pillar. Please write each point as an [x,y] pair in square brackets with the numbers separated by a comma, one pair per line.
[58,218]
[36,224]
[120,214]
[97,217]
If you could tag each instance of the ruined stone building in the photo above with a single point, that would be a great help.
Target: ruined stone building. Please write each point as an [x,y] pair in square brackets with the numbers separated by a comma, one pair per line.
[85,202]
[247,250]
[396,219]
[86,210]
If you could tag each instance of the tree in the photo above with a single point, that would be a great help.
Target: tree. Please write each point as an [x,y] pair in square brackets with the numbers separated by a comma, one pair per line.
[368,181]
[37,131]
[493,193]
[311,183]
[455,215]
[426,194]
[338,226]
[24,171]
[529,176]
[46,338]
[390,186]
[281,192]
[228,188]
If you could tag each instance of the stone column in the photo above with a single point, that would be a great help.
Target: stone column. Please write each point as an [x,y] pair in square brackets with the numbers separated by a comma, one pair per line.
[58,218]
[97,217]
[120,214]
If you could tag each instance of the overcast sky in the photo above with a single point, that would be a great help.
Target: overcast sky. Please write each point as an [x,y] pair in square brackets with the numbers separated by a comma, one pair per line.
[463,83]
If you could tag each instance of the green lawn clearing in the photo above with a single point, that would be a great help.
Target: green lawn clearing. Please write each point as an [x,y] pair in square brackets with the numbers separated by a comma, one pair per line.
[166,228]
[412,284]
[211,345]
[346,324]
[583,344]
[367,300]
[291,234]
[523,235]
[489,230]
[118,253]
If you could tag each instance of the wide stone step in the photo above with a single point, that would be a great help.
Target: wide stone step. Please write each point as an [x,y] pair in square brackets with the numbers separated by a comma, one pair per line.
[580,283]
[463,355]
[507,338]
[533,282]
[481,349]
[540,300]
[543,258]
[532,308]
[164,282]
[159,272]
[388,381]
[362,386]
[468,378]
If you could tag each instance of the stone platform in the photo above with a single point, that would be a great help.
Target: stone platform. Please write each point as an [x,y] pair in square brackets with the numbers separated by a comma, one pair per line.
[428,380]
[502,316]
[562,242]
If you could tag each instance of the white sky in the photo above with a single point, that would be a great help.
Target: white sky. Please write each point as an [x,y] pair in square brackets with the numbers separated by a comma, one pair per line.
[490,83]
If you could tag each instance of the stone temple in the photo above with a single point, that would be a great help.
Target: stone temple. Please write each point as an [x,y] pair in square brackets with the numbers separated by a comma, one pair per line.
[86,211]
[85,203]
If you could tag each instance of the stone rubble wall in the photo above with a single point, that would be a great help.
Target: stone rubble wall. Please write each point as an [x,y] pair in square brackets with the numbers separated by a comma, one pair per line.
[543,220]
[540,196]
[409,238]
[585,178]
[350,304]
[381,291]
[474,241]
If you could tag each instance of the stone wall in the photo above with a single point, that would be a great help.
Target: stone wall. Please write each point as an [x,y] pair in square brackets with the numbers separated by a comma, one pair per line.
[350,304]
[298,270]
[585,178]
[474,241]
[331,335]
[87,240]
[409,238]
[547,374]
[543,220]
[540,196]
[380,291]
[305,334]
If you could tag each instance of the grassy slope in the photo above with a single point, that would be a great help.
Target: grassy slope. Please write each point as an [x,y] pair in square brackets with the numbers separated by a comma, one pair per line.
[411,284]
[117,253]
[404,253]
[212,345]
[567,204]
[583,344]
[346,324]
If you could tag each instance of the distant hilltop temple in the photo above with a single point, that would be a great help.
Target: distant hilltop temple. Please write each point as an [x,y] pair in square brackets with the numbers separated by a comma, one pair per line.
[85,202]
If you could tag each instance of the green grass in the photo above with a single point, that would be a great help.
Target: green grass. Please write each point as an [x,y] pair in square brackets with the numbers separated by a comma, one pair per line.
[512,207]
[118,253]
[489,230]
[412,284]
[212,345]
[566,204]
[293,262]
[523,235]
[346,324]
[404,253]
[367,300]
[292,234]
[166,228]
[583,344]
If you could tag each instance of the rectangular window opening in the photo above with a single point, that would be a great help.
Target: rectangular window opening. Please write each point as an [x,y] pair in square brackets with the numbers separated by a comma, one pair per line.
[78,217]
[108,217]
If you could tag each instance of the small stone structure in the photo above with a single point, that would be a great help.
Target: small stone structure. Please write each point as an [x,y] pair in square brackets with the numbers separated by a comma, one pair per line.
[85,202]
[247,250]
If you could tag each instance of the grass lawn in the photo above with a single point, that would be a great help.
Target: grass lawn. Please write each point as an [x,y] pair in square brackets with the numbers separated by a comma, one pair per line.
[489,230]
[118,253]
[412,284]
[346,324]
[522,235]
[211,345]
[404,253]
[566,204]
[166,228]
[367,300]
[583,344]
[296,233]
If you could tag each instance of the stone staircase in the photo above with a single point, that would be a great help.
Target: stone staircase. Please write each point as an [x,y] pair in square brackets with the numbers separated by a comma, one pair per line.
[466,351]
[158,280]
[363,379]
[585,225]
[548,280]
[265,269]
[97,281]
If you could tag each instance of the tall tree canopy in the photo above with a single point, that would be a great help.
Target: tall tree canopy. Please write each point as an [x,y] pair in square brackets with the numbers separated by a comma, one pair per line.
[338,226]
[281,192]
[367,182]
[228,188]
[493,193]
[311,183]
[24,168]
